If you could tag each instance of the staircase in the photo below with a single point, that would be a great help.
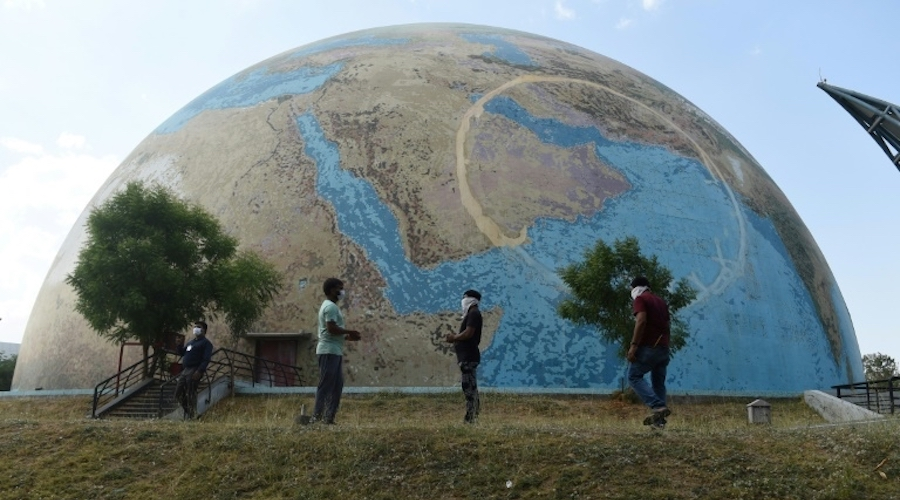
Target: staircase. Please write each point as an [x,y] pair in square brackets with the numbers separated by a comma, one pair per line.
[146,403]
[131,394]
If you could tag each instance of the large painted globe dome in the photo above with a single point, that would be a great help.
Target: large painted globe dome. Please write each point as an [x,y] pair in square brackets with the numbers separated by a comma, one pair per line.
[415,162]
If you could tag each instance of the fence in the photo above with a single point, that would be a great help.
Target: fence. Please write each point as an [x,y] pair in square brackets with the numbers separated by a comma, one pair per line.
[880,396]
[224,363]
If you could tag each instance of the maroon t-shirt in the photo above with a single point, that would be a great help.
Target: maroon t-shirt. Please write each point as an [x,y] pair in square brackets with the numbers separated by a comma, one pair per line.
[657,330]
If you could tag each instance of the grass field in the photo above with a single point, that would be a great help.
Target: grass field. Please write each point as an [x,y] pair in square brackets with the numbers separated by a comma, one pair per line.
[391,446]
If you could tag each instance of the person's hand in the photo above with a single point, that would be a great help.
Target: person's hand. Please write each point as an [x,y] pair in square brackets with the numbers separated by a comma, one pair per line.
[632,353]
[353,335]
[450,338]
[195,376]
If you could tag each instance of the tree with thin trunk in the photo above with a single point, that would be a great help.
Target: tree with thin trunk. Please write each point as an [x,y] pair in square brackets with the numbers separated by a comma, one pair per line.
[879,366]
[153,264]
[601,292]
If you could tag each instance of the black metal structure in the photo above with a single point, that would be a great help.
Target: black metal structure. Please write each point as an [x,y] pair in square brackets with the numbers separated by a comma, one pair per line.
[880,396]
[881,119]
[236,366]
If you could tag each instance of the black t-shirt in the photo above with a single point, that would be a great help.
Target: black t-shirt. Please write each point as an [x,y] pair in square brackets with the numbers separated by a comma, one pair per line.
[467,350]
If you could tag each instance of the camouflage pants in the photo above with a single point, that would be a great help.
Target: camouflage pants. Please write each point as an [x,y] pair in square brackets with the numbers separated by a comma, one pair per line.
[470,389]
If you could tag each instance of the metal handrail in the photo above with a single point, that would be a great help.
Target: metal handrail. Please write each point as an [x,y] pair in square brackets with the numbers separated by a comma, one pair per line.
[881,396]
[270,373]
[210,376]
[224,363]
[108,390]
[239,366]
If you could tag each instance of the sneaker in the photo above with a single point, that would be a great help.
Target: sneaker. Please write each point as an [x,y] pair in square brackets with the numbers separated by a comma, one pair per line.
[658,415]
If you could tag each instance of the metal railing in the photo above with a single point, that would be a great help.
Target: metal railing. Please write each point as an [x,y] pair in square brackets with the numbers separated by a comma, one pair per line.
[880,396]
[261,371]
[129,380]
[236,366]
[224,363]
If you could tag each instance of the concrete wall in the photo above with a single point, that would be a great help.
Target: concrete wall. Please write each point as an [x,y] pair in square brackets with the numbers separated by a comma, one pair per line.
[834,410]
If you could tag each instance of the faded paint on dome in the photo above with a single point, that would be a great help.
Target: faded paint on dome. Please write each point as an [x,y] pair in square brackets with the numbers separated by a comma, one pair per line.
[415,162]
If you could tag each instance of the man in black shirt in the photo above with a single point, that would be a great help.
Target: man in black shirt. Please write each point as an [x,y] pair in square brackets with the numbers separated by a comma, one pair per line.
[195,358]
[467,353]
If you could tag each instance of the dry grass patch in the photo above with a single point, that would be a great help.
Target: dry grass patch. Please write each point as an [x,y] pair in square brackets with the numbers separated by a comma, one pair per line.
[391,446]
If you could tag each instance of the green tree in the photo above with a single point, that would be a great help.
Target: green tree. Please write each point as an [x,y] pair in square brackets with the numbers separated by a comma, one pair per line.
[600,287]
[153,264]
[7,368]
[879,366]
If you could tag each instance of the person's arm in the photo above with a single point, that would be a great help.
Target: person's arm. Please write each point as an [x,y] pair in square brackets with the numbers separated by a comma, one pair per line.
[334,329]
[463,335]
[473,323]
[207,355]
[640,324]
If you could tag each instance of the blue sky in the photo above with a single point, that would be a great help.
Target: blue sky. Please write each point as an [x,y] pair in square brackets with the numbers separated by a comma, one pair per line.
[82,83]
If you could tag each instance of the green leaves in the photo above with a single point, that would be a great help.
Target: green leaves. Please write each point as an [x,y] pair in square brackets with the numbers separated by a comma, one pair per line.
[154,264]
[879,366]
[601,292]
[7,369]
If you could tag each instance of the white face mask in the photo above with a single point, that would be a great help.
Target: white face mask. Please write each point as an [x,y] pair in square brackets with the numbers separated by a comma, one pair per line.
[638,290]
[198,331]
[468,302]
[340,295]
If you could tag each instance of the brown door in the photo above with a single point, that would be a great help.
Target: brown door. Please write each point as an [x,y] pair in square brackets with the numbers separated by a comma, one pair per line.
[282,352]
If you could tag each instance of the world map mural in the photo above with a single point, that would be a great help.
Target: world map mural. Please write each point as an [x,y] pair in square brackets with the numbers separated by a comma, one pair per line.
[415,162]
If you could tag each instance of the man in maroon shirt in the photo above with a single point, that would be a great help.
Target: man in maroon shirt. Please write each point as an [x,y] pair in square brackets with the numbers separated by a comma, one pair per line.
[649,351]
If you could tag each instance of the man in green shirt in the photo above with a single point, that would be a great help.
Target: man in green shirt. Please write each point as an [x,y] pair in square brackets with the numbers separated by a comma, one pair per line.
[330,352]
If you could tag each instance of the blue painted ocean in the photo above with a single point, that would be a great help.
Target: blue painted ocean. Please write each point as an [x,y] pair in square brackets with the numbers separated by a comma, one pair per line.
[753,327]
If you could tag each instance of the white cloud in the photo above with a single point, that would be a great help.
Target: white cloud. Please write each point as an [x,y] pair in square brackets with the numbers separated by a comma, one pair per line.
[41,197]
[23,4]
[623,23]
[70,141]
[755,51]
[651,4]
[563,12]
[20,146]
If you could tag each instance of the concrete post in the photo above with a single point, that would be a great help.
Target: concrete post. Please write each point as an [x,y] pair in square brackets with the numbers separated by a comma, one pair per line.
[759,412]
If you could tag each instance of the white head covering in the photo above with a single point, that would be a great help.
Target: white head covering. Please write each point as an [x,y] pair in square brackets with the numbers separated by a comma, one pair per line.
[468,302]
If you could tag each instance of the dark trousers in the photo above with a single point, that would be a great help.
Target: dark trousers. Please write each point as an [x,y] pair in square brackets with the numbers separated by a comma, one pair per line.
[186,391]
[470,389]
[331,384]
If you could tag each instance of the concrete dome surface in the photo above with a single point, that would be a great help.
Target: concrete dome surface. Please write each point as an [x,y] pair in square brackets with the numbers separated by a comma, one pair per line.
[417,161]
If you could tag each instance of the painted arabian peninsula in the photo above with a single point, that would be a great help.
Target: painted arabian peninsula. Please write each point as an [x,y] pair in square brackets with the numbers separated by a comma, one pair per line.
[417,161]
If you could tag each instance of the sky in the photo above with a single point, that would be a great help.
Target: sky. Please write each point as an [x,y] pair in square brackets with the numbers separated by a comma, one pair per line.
[83,83]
